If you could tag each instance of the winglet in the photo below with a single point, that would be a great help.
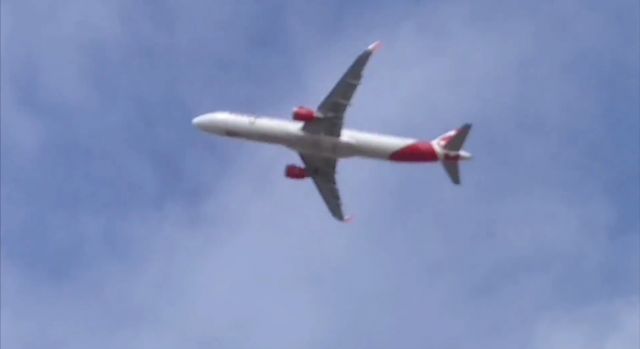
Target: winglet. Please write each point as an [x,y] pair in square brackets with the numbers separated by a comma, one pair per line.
[348,219]
[375,46]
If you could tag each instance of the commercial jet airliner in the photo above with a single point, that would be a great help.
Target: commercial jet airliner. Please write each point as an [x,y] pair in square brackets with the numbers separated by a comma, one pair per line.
[317,135]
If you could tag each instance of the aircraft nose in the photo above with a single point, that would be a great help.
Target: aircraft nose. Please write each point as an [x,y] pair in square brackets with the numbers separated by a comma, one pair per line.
[200,121]
[210,122]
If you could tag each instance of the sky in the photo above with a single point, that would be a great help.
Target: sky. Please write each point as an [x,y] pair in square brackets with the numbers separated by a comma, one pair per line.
[124,226]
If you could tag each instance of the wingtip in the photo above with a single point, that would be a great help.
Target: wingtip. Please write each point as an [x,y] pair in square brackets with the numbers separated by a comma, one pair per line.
[348,219]
[375,46]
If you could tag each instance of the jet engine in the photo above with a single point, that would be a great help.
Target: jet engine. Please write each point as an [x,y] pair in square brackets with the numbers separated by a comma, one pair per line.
[304,114]
[295,172]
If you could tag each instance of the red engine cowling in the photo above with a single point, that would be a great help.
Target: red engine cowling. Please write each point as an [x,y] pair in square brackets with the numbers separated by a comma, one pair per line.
[304,114]
[295,172]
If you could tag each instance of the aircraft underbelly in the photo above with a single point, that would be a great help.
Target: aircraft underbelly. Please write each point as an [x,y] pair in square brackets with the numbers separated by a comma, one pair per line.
[349,144]
[291,135]
[323,145]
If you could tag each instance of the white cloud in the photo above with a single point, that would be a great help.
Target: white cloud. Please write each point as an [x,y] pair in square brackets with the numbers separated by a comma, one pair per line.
[609,325]
[256,261]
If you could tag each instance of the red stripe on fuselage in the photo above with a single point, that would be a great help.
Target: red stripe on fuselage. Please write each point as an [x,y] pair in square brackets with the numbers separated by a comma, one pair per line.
[416,152]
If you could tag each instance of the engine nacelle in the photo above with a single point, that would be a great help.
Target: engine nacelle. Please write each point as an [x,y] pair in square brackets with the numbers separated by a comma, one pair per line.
[304,114]
[295,172]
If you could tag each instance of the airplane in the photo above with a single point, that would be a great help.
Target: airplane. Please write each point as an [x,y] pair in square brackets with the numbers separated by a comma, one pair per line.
[320,140]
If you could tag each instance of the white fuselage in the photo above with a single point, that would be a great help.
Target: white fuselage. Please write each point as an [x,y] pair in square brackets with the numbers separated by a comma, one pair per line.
[289,133]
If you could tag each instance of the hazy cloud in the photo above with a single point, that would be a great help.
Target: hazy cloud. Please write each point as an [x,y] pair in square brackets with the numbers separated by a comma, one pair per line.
[124,226]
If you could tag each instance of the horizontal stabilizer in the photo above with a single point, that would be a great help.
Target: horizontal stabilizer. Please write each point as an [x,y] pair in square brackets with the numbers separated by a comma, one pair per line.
[453,170]
[457,140]
[451,143]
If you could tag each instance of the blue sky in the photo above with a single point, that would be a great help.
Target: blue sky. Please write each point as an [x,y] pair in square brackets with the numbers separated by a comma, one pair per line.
[123,226]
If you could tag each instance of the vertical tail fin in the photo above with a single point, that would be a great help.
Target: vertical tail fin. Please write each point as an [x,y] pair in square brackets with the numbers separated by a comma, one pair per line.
[450,145]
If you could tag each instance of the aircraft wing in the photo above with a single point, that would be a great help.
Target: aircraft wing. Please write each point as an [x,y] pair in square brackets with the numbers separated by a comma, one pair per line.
[323,172]
[336,102]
